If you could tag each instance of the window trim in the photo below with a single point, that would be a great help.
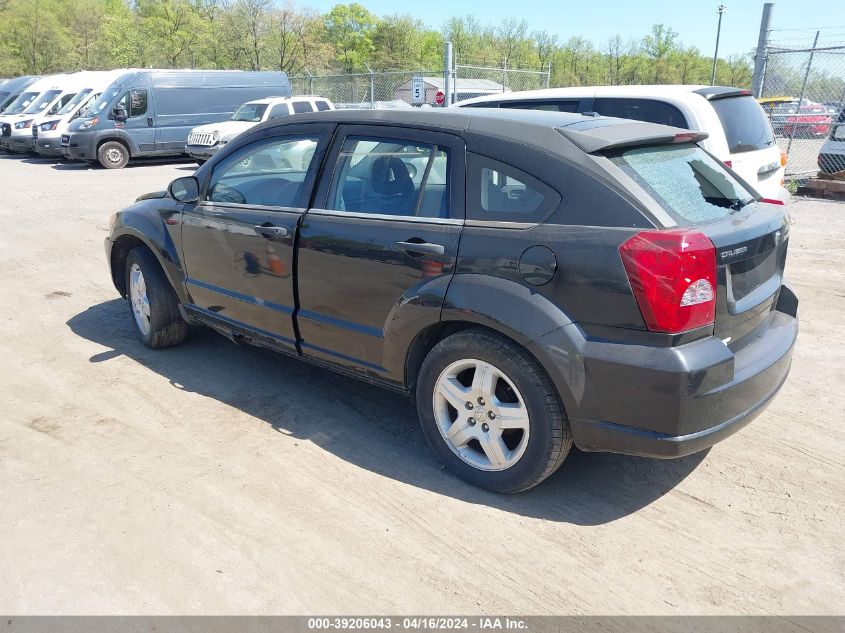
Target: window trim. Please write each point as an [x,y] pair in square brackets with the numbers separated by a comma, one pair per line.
[455,179]
[475,164]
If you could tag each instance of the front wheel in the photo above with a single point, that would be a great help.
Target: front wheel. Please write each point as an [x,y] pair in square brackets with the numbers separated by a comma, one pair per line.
[113,155]
[490,412]
[153,302]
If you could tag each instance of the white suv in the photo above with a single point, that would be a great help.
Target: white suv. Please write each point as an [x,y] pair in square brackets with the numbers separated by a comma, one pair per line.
[204,140]
[739,133]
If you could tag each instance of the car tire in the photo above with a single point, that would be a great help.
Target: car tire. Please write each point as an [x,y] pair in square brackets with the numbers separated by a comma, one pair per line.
[113,155]
[153,303]
[528,436]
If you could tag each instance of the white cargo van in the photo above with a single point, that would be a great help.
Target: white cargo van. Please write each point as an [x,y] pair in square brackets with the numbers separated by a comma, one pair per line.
[55,93]
[47,135]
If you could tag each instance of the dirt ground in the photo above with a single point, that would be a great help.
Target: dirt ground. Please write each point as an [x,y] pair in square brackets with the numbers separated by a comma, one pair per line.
[212,479]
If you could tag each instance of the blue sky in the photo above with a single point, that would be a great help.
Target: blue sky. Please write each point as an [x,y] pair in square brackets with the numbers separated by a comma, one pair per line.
[694,20]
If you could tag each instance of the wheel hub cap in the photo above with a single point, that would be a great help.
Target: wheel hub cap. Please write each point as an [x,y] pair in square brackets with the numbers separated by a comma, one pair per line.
[492,436]
[139,300]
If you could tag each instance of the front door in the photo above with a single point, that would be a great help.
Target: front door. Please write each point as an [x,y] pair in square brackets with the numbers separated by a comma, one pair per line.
[238,243]
[378,249]
[140,121]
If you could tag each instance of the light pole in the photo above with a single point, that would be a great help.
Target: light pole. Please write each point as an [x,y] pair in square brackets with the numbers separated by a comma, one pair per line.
[722,9]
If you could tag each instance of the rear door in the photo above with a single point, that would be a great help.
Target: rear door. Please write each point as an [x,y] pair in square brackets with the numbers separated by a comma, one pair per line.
[380,245]
[238,243]
[753,153]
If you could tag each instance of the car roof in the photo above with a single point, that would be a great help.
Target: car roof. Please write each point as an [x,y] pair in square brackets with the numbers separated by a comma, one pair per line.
[527,127]
[692,93]
[274,100]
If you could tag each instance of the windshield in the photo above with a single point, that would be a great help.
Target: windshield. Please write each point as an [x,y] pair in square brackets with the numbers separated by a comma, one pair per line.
[692,186]
[81,96]
[746,125]
[3,96]
[22,102]
[42,102]
[103,102]
[250,112]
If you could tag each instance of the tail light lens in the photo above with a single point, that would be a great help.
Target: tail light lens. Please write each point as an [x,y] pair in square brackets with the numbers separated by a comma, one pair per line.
[783,158]
[729,163]
[673,276]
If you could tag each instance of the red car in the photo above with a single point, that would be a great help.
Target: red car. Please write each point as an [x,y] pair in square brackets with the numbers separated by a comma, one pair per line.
[808,120]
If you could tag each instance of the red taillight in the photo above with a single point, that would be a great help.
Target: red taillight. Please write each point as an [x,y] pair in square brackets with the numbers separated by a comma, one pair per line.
[772,201]
[673,275]
[729,163]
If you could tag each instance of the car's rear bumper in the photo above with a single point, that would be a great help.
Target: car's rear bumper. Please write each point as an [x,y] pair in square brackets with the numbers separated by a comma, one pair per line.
[672,401]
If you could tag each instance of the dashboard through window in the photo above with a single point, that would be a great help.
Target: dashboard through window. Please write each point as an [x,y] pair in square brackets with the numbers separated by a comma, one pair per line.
[269,173]
[391,177]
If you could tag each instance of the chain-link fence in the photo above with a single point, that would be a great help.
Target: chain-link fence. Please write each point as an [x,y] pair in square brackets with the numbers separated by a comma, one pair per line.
[803,93]
[420,88]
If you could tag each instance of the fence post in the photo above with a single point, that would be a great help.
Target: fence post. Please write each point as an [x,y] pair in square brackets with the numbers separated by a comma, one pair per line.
[548,74]
[447,75]
[803,88]
[504,73]
[762,50]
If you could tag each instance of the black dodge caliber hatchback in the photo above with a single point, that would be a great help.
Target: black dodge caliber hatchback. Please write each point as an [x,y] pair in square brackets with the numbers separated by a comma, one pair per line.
[534,279]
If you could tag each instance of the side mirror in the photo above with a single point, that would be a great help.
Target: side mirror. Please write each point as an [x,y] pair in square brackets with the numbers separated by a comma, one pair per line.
[120,114]
[185,189]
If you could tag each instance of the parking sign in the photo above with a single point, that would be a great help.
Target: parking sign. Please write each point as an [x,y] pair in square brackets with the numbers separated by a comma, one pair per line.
[417,90]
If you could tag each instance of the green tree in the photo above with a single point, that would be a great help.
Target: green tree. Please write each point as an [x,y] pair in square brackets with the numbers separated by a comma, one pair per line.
[349,28]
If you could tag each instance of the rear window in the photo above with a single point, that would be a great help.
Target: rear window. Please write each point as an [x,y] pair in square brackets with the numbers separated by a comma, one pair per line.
[686,181]
[648,110]
[322,106]
[746,126]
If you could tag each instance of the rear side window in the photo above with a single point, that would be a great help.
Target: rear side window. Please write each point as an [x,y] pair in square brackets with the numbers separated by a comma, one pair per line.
[502,193]
[686,181]
[322,106]
[745,123]
[547,105]
[648,110]
[301,106]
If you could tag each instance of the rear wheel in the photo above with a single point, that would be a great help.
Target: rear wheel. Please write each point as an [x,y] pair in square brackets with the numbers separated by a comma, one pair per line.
[113,155]
[153,302]
[490,412]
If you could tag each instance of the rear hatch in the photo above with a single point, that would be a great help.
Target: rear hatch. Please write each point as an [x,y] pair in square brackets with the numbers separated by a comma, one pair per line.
[753,153]
[750,236]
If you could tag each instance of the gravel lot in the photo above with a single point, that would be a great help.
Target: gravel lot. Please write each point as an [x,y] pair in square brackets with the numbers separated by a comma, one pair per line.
[214,479]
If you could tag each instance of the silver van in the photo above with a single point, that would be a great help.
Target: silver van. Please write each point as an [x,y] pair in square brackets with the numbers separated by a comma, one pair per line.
[150,112]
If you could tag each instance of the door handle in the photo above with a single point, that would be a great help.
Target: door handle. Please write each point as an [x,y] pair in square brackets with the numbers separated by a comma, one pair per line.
[426,248]
[149,121]
[270,232]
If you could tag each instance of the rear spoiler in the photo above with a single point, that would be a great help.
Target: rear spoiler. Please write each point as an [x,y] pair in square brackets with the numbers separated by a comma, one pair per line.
[633,134]
[721,92]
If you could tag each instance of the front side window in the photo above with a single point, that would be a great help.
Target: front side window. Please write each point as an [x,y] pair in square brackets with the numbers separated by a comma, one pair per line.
[61,103]
[322,106]
[42,102]
[280,109]
[648,110]
[391,177]
[265,173]
[688,183]
[134,102]
[502,193]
